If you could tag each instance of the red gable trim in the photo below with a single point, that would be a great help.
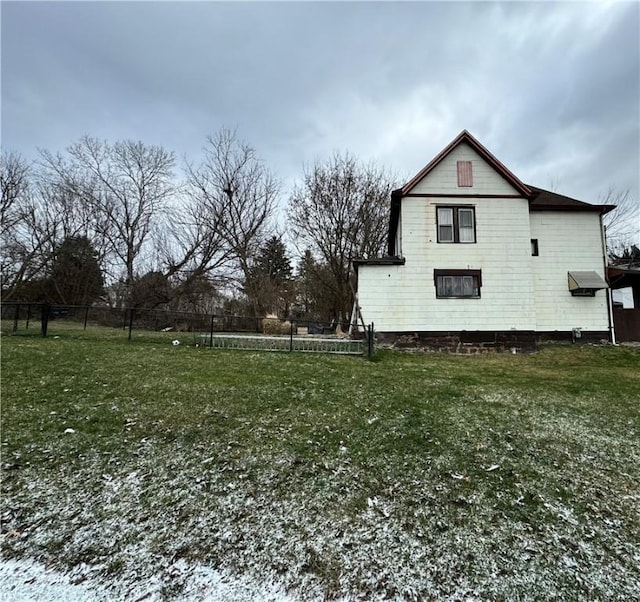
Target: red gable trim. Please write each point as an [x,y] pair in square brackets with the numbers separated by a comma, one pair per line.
[465,136]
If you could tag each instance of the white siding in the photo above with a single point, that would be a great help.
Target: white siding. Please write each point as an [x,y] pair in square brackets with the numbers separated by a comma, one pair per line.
[567,241]
[444,177]
[403,298]
[378,291]
[518,291]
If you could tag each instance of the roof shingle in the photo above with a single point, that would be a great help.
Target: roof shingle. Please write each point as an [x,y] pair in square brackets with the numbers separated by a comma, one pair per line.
[545,200]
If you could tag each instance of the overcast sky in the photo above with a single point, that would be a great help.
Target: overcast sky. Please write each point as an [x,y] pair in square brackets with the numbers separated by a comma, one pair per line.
[552,89]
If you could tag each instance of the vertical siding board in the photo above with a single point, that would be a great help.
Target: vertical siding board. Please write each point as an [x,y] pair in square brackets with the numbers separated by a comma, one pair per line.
[465,174]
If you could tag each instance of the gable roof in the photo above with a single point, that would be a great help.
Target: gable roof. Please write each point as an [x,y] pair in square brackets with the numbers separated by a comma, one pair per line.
[545,200]
[539,199]
[466,137]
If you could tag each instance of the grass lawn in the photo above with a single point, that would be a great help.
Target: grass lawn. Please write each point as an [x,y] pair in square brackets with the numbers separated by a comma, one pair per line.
[414,476]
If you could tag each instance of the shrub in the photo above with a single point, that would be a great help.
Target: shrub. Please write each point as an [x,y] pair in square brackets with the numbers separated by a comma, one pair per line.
[275,326]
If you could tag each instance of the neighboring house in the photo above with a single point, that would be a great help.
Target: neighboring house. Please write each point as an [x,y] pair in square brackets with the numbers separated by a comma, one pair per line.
[626,317]
[476,258]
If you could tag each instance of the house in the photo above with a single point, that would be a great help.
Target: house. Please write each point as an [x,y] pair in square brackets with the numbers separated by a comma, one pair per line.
[626,318]
[476,258]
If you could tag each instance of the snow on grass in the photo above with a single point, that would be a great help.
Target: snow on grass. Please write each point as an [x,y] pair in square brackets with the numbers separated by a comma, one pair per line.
[147,521]
[28,581]
[409,478]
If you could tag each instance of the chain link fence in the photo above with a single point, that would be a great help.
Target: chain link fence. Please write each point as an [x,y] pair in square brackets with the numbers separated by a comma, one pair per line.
[202,330]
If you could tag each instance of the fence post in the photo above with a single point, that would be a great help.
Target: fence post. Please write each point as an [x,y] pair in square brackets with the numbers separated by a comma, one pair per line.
[124,323]
[45,311]
[211,331]
[86,316]
[370,340]
[131,311]
[15,318]
[291,337]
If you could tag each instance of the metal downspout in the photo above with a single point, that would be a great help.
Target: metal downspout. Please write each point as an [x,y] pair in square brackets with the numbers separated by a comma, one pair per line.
[603,236]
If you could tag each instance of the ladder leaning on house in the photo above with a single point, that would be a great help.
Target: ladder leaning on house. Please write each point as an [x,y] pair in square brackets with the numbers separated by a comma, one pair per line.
[355,314]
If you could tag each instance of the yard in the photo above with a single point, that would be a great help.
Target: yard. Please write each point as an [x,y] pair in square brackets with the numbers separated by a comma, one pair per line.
[151,472]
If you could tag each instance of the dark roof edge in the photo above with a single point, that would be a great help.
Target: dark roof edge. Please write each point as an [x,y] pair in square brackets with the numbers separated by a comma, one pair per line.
[560,207]
[546,200]
[624,269]
[396,260]
[620,277]
[602,209]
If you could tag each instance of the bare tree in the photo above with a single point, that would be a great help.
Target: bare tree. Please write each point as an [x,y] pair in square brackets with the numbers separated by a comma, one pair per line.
[123,198]
[14,173]
[127,185]
[340,211]
[191,248]
[44,215]
[622,223]
[14,180]
[29,226]
[234,198]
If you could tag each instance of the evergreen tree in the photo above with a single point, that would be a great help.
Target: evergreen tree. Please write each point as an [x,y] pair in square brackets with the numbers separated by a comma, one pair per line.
[76,277]
[314,298]
[269,283]
[272,261]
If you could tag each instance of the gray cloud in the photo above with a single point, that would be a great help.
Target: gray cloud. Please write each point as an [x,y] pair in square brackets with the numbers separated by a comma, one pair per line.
[551,89]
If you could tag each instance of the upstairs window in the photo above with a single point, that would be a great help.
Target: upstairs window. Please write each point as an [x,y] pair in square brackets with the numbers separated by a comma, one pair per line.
[458,284]
[465,175]
[456,224]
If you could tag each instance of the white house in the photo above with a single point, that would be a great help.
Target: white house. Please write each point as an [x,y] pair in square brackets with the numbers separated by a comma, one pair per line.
[477,258]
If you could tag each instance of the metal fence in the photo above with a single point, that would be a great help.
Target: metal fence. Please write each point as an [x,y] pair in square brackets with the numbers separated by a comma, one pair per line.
[202,330]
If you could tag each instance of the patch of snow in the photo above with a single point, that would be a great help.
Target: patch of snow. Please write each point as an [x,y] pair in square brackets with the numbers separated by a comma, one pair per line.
[28,581]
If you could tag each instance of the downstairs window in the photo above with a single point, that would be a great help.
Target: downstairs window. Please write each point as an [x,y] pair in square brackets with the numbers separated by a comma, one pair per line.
[458,284]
